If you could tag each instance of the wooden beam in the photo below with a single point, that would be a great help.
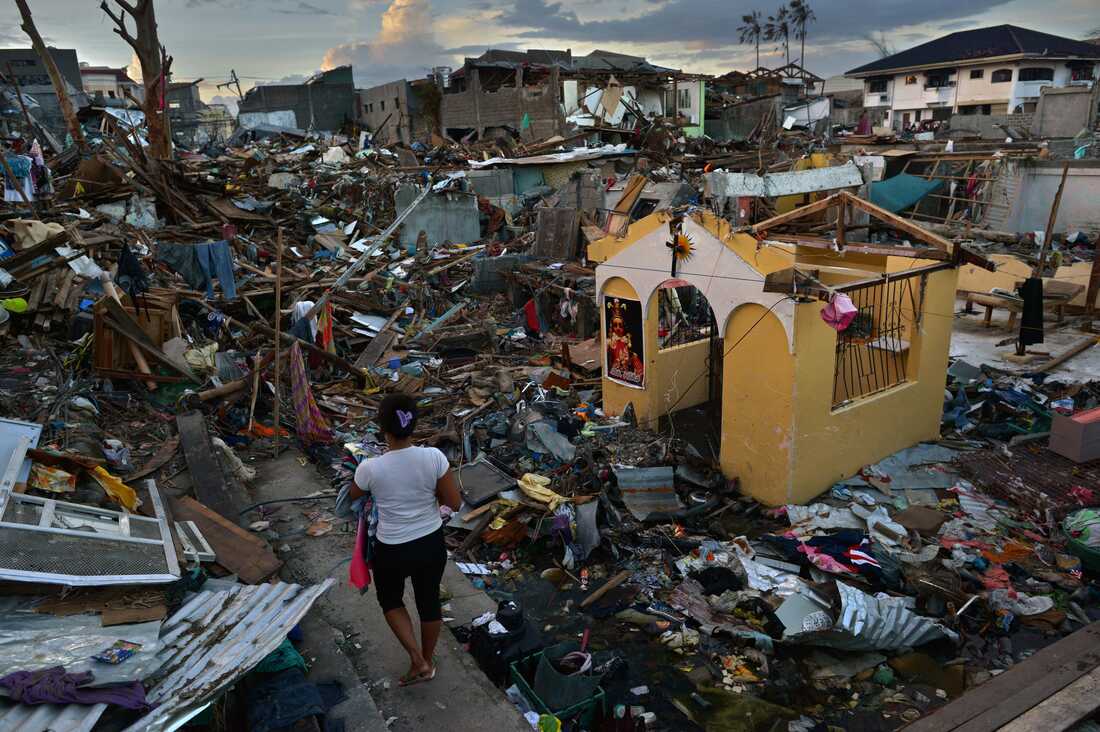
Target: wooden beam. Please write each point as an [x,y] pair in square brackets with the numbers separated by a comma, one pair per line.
[795,215]
[914,230]
[816,242]
[1048,235]
[1019,689]
[206,473]
[894,276]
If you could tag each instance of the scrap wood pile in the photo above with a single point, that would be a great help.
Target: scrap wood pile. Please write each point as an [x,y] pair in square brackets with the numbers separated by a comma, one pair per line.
[142,304]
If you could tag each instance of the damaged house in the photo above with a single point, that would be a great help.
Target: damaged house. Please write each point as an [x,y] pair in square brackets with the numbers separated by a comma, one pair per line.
[34,82]
[325,101]
[535,93]
[400,111]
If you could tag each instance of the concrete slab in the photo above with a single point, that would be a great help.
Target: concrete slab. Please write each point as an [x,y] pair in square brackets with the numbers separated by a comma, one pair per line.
[977,344]
[459,698]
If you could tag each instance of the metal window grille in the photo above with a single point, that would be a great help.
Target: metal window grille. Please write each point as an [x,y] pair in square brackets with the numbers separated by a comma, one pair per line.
[872,353]
[685,317]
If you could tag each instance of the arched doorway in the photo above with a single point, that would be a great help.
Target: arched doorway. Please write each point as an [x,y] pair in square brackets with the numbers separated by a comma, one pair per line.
[689,354]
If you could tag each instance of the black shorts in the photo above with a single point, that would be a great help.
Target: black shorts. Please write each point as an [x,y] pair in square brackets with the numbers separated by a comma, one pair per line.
[422,560]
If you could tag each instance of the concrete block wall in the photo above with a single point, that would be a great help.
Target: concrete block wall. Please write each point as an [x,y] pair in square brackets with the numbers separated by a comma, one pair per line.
[986,124]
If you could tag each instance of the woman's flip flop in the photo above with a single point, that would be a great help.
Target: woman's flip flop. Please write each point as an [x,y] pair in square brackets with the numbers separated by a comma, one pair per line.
[411,679]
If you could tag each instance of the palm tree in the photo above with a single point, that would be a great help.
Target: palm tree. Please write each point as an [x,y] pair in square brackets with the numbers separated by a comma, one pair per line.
[802,15]
[778,28]
[751,31]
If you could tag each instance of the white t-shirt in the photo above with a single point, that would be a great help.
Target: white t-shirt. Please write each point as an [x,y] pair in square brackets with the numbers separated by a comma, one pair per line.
[403,483]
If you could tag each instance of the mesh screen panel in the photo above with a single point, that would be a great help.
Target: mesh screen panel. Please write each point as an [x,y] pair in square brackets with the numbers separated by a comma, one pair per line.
[36,551]
[22,513]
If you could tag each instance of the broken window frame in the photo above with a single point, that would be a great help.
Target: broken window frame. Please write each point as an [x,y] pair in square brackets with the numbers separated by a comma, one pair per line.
[106,524]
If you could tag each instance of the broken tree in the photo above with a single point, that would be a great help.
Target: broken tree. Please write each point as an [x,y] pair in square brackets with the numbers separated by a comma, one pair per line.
[155,64]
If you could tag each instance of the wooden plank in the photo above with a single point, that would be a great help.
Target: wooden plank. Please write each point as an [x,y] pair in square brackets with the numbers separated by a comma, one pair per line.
[237,550]
[1022,687]
[206,472]
[556,234]
[163,454]
[382,341]
[1063,710]
[611,584]
[378,345]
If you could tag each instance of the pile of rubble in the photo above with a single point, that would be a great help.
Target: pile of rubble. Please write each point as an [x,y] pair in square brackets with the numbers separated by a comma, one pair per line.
[170,323]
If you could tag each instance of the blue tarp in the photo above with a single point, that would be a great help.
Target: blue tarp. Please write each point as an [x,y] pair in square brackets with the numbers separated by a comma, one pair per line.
[902,191]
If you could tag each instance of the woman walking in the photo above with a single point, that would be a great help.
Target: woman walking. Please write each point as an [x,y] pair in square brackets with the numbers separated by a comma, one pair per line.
[408,483]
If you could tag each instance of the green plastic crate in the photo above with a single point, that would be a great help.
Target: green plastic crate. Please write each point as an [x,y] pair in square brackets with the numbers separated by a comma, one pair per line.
[584,711]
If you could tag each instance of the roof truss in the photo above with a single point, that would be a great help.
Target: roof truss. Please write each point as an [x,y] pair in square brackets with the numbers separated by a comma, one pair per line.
[842,202]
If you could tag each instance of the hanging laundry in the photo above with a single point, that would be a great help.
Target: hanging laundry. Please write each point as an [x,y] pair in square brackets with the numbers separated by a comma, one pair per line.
[531,316]
[312,425]
[21,168]
[216,260]
[840,312]
[569,307]
[1031,320]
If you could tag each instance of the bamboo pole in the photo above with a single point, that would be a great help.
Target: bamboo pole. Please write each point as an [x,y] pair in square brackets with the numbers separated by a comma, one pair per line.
[278,332]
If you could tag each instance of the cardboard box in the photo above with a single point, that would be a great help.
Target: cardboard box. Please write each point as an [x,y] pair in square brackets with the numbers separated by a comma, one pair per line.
[1078,436]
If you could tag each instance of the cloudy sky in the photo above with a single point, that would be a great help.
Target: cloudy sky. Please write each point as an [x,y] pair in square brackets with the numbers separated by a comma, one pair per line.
[267,41]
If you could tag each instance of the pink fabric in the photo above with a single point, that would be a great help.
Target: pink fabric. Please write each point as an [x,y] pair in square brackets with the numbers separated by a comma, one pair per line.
[840,312]
[359,572]
[823,561]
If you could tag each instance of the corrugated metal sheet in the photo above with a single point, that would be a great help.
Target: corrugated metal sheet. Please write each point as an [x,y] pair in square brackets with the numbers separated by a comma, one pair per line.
[215,639]
[867,623]
[49,717]
[726,185]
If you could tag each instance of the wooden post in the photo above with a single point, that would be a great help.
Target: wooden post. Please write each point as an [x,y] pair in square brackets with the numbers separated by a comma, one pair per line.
[55,76]
[1048,235]
[278,332]
[1094,281]
[841,234]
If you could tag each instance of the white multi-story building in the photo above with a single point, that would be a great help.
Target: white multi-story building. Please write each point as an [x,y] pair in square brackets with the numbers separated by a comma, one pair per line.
[997,70]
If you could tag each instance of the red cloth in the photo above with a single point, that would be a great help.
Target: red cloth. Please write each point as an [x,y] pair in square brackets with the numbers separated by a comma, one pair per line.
[359,572]
[532,314]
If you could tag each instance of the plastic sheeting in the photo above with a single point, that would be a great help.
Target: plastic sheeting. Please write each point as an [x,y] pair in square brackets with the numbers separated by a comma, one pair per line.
[902,191]
[30,641]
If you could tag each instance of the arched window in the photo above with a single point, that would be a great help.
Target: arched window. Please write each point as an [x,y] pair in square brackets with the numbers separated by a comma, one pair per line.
[1000,76]
[1036,74]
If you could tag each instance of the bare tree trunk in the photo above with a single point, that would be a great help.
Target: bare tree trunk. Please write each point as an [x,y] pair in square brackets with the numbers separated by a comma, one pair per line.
[55,77]
[155,64]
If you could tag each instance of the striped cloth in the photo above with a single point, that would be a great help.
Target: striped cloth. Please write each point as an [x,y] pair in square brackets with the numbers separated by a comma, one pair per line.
[312,425]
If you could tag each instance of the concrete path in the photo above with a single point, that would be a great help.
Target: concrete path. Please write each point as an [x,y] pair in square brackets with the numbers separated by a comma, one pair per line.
[459,698]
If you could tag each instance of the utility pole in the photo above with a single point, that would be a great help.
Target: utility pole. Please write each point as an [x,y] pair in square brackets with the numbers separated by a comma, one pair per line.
[233,81]
[55,76]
